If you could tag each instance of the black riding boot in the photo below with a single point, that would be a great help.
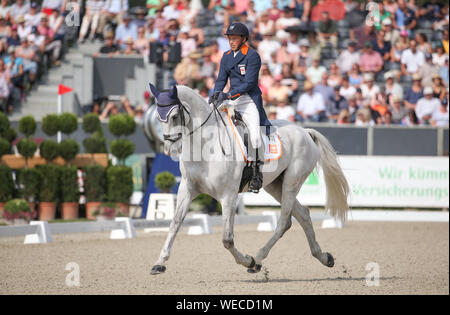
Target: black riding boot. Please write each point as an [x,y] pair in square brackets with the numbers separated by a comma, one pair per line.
[256,182]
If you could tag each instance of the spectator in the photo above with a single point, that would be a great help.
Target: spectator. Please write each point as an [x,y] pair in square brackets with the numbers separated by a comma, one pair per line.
[266,80]
[398,111]
[303,59]
[380,16]
[171,11]
[314,73]
[302,8]
[129,47]
[440,117]
[347,90]
[335,105]
[187,72]
[148,101]
[414,93]
[252,15]
[382,46]
[5,9]
[223,43]
[188,44]
[293,45]
[412,59]
[405,17]
[208,67]
[196,33]
[393,89]
[426,106]
[33,18]
[274,66]
[344,117]
[278,92]
[352,108]
[268,46]
[110,47]
[15,66]
[371,60]
[22,30]
[151,32]
[4,28]
[5,79]
[262,6]
[334,78]
[315,47]
[91,18]
[363,117]
[391,34]
[160,20]
[369,89]
[264,25]
[354,76]
[153,5]
[362,34]
[110,109]
[140,19]
[49,5]
[283,55]
[286,20]
[427,70]
[285,112]
[55,21]
[142,43]
[310,106]
[327,31]
[324,89]
[28,55]
[112,12]
[443,72]
[438,86]
[289,80]
[13,39]
[17,9]
[348,57]
[422,43]
[272,113]
[125,30]
[439,56]
[444,40]
[274,12]
[52,46]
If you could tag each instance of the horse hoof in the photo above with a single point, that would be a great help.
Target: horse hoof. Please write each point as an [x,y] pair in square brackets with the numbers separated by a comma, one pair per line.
[330,260]
[253,263]
[256,269]
[157,269]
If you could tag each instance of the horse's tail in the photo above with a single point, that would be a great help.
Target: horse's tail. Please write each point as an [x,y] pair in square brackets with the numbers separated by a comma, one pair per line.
[335,181]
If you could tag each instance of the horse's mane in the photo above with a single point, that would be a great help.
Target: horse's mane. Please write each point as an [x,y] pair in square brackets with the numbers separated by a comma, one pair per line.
[190,97]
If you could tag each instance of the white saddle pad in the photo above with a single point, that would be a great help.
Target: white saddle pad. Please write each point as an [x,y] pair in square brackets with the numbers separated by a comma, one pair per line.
[272,143]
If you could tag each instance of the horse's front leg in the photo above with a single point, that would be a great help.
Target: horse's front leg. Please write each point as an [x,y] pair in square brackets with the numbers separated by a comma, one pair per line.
[184,198]
[228,213]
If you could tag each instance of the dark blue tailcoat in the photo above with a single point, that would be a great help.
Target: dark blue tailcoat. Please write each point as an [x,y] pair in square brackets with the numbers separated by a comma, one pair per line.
[243,71]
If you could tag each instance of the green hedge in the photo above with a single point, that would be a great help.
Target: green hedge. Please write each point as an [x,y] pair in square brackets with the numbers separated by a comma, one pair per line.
[6,184]
[120,184]
[70,191]
[29,180]
[51,183]
[49,150]
[94,183]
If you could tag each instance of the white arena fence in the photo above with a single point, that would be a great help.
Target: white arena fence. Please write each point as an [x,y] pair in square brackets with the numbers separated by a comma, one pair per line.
[40,232]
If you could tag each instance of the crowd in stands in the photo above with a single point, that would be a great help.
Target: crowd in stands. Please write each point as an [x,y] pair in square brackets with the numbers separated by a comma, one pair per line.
[335,61]
[32,38]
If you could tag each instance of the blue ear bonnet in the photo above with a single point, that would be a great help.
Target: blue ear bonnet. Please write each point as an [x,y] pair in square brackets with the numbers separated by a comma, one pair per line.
[166,103]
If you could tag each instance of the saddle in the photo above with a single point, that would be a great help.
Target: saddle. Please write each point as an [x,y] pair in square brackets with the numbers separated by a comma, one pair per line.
[272,143]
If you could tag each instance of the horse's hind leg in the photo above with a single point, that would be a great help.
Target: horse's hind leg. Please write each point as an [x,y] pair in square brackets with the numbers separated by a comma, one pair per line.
[301,214]
[284,222]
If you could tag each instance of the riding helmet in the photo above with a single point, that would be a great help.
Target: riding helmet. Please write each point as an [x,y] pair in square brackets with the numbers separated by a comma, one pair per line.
[238,29]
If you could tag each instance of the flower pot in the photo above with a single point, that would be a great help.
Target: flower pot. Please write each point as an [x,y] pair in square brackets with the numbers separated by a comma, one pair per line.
[91,207]
[47,211]
[124,208]
[70,210]
[2,206]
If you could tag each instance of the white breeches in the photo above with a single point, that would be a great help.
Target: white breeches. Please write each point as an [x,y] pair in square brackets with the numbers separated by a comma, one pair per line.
[250,115]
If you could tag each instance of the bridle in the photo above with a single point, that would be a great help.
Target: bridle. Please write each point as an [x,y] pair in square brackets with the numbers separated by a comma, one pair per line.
[173,138]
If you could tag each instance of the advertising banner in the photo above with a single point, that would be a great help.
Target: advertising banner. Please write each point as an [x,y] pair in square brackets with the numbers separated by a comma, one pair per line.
[379,181]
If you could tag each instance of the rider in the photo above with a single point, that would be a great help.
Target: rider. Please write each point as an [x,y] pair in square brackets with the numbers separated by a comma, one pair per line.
[241,65]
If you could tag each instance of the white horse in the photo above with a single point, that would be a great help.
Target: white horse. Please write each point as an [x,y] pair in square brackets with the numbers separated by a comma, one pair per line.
[184,113]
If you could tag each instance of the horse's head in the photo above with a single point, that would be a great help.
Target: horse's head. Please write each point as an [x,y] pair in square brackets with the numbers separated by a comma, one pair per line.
[174,118]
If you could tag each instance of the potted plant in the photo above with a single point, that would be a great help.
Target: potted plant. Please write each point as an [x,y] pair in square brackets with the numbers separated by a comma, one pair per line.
[94,188]
[49,150]
[17,211]
[120,186]
[96,143]
[49,191]
[6,186]
[165,181]
[26,146]
[70,192]
[69,148]
[29,180]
